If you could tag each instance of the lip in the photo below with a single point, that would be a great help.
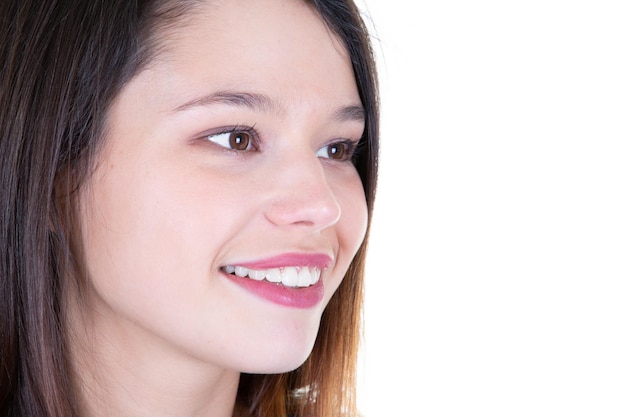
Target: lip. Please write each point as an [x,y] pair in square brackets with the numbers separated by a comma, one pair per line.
[317,260]
[280,294]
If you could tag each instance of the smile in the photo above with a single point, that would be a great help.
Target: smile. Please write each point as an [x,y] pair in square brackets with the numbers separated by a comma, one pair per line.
[290,276]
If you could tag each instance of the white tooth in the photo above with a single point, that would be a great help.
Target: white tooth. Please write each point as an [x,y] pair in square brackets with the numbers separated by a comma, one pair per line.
[229,269]
[241,271]
[274,275]
[290,276]
[304,277]
[257,275]
[315,275]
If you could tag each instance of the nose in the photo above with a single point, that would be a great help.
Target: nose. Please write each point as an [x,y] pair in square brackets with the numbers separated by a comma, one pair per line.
[300,195]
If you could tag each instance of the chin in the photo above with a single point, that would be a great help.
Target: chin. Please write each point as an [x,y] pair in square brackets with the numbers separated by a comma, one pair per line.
[279,360]
[276,367]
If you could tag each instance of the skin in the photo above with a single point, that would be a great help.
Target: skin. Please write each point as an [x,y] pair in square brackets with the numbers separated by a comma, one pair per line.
[161,330]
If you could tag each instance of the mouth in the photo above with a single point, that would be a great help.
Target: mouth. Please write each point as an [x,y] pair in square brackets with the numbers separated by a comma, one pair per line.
[288,279]
[289,276]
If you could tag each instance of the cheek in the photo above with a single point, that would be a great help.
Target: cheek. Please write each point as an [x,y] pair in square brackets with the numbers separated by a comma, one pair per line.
[354,216]
[352,225]
[149,240]
[132,230]
[139,224]
[156,221]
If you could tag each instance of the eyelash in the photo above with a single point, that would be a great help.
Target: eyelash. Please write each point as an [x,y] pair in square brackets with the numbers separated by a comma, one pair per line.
[350,152]
[254,137]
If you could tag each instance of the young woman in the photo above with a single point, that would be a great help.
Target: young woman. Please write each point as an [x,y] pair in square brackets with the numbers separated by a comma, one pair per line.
[186,188]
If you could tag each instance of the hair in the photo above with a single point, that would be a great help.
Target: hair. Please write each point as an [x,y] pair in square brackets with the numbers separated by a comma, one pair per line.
[62,63]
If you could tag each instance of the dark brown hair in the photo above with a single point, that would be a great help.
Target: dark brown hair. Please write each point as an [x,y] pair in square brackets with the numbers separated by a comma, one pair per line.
[62,62]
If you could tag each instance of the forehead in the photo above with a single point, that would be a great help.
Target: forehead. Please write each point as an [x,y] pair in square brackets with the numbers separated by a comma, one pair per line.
[239,42]
[237,20]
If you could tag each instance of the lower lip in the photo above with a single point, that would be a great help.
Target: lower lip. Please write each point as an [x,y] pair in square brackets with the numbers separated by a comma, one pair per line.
[304,297]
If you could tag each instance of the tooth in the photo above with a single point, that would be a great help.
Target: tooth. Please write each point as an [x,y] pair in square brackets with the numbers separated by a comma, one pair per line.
[257,275]
[290,276]
[304,277]
[241,271]
[274,275]
[315,275]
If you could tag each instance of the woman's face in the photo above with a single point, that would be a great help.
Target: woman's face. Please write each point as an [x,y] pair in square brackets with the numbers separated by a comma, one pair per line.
[229,156]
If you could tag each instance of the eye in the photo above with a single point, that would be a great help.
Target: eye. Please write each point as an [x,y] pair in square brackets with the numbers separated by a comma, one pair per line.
[236,140]
[338,151]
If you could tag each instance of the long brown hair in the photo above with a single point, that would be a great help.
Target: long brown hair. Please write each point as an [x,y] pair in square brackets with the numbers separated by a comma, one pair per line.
[62,63]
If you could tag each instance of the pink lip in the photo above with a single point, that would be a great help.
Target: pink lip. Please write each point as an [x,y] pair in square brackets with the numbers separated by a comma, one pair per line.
[280,294]
[317,260]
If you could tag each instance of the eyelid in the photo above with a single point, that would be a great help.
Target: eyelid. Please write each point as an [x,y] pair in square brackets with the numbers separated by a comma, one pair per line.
[254,134]
[353,147]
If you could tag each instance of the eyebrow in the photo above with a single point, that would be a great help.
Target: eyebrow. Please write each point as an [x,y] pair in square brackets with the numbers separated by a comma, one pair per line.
[253,101]
[262,102]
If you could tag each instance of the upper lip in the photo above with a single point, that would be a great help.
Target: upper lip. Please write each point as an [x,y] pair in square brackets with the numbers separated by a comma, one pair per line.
[317,260]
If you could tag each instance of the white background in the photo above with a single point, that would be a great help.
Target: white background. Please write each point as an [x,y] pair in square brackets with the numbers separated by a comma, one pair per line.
[497,272]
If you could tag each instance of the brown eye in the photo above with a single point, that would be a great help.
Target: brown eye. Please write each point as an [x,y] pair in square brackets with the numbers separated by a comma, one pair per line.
[239,141]
[339,151]
[236,140]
